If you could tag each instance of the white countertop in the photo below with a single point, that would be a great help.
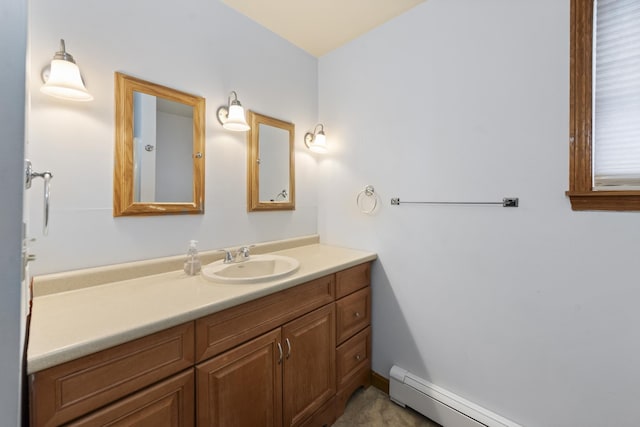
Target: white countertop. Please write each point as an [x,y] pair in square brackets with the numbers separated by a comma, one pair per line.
[68,325]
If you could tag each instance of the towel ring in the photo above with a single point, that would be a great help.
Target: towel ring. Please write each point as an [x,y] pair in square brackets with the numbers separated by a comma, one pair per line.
[366,194]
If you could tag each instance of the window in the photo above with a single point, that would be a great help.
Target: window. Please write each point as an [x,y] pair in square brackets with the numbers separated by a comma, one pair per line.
[605,105]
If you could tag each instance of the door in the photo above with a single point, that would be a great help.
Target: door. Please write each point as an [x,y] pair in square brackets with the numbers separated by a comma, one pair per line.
[13,45]
[243,386]
[309,368]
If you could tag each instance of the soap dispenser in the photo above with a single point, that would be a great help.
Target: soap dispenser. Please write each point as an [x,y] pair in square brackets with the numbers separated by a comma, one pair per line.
[192,263]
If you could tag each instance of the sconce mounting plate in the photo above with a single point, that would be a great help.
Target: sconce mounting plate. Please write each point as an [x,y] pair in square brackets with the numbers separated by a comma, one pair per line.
[308,139]
[45,73]
[222,114]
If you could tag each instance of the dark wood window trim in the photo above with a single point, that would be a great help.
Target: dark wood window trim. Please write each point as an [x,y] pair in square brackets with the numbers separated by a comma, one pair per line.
[581,191]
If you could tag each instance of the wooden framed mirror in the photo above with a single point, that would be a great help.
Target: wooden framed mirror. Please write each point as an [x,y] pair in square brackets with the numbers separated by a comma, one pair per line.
[159,153]
[270,164]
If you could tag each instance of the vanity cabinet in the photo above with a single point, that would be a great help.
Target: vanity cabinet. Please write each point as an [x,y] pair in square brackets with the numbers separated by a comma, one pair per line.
[321,329]
[280,378]
[292,359]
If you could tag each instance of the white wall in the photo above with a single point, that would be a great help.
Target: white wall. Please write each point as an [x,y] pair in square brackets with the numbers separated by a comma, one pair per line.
[198,46]
[13,43]
[531,312]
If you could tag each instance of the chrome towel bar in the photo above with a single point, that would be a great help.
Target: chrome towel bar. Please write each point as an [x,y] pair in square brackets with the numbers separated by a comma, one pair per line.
[507,202]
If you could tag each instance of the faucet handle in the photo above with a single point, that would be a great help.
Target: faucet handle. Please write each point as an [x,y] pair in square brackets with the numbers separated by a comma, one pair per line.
[243,253]
[228,258]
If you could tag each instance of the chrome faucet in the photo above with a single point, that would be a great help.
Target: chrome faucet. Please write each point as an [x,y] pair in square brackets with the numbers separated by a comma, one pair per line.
[241,254]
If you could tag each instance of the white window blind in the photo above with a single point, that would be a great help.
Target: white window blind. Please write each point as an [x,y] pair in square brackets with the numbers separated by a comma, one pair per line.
[616,103]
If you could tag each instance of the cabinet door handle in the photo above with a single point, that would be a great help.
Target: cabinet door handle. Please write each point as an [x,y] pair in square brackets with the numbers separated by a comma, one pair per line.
[358,357]
[356,314]
[280,351]
[288,347]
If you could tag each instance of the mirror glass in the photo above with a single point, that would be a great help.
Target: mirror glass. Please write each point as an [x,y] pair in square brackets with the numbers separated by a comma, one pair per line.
[159,149]
[273,163]
[270,183]
[162,162]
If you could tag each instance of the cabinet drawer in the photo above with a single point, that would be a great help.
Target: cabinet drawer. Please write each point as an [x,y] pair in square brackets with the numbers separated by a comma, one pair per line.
[352,279]
[73,389]
[169,403]
[228,328]
[353,356]
[353,314]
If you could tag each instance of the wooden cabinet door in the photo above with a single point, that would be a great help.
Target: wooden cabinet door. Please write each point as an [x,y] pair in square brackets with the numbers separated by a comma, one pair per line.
[169,403]
[243,386]
[309,366]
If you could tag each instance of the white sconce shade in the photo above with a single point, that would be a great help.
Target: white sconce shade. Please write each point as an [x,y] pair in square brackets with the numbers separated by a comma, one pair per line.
[63,79]
[316,141]
[231,116]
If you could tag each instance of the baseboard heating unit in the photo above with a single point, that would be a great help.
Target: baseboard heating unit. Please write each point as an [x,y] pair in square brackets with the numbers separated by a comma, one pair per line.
[438,404]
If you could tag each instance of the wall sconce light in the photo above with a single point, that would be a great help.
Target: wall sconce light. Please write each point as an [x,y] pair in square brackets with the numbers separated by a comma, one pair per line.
[62,78]
[316,141]
[231,116]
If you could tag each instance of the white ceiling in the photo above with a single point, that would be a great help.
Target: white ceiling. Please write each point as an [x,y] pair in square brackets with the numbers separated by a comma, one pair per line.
[319,26]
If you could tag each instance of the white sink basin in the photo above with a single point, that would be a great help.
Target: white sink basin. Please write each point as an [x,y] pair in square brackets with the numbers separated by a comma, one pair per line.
[258,268]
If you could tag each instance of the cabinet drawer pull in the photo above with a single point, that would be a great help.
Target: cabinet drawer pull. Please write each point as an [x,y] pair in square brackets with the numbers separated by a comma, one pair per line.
[356,314]
[358,357]
[288,347]
[280,351]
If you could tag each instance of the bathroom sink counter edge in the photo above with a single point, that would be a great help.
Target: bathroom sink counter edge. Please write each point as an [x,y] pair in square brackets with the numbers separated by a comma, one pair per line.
[68,325]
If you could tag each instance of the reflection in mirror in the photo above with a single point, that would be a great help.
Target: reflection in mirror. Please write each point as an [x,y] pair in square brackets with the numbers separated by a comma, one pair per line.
[274,163]
[159,149]
[160,128]
[270,181]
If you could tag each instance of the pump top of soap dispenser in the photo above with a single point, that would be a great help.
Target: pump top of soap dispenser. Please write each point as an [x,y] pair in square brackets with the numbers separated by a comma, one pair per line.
[193,246]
